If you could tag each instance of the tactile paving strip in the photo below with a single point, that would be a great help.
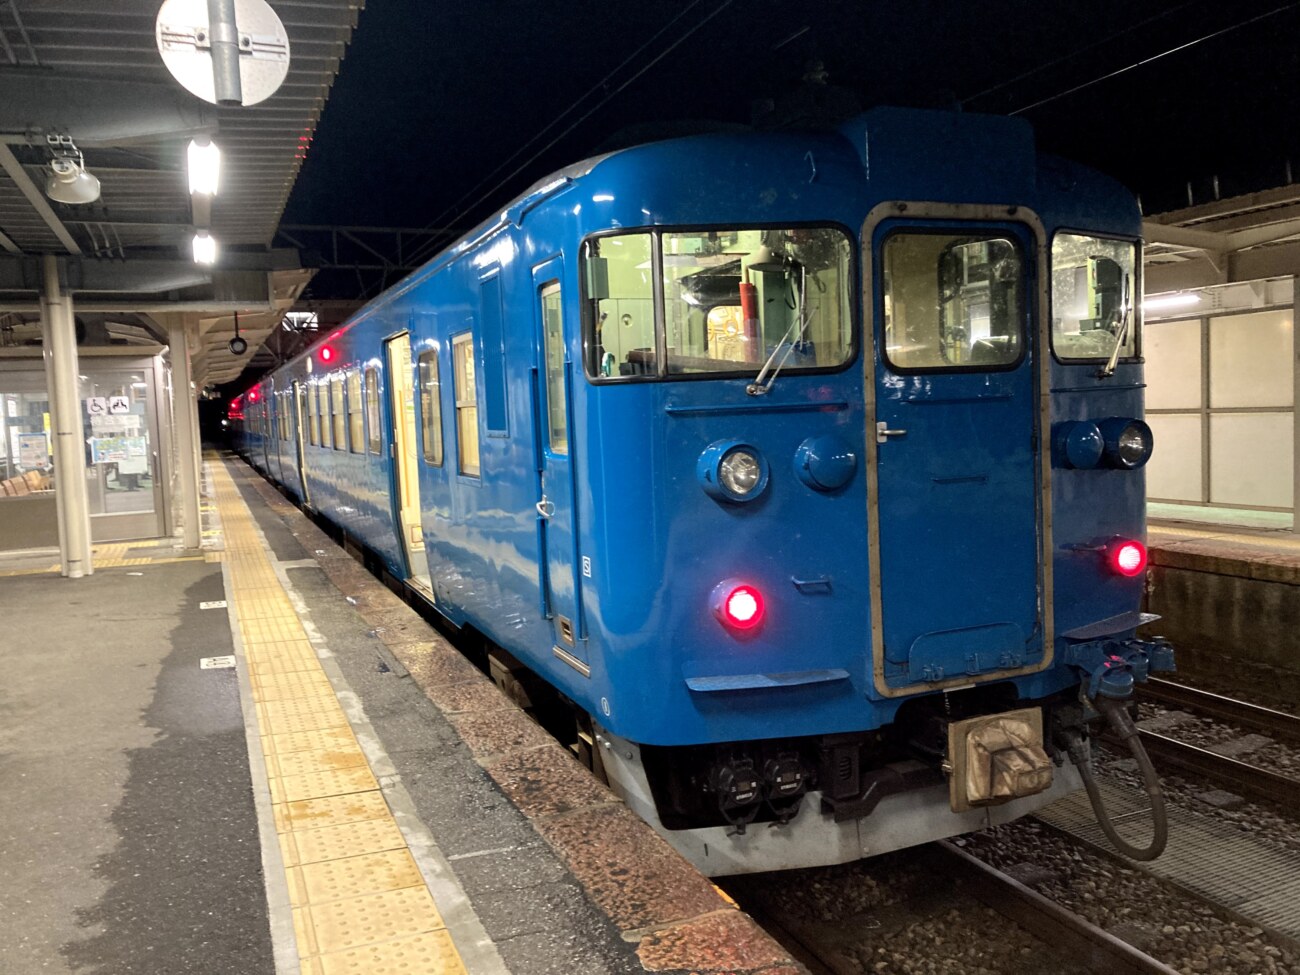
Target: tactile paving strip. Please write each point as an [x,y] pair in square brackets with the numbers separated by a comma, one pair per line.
[360,903]
[1258,881]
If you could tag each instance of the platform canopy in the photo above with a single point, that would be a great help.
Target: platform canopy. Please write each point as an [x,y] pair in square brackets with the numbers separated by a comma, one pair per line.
[90,72]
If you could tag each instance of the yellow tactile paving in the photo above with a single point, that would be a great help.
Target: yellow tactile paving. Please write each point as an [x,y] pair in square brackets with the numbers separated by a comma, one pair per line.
[369,873]
[432,952]
[360,903]
[346,839]
[311,814]
[356,921]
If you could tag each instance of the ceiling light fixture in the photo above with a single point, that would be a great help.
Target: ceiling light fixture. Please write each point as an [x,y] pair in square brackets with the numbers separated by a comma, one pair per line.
[205,248]
[1180,300]
[204,165]
[68,181]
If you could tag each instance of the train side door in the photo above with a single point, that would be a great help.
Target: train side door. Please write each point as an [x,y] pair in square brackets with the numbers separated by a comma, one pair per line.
[956,527]
[556,517]
[300,414]
[404,451]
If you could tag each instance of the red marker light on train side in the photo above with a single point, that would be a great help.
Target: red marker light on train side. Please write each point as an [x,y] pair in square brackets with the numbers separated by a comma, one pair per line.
[737,604]
[1128,558]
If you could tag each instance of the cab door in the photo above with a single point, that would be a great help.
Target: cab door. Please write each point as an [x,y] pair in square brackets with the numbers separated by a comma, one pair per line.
[956,520]
[561,589]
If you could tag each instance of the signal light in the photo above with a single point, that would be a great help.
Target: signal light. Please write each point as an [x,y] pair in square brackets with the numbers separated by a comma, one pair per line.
[738,604]
[1127,557]
[326,354]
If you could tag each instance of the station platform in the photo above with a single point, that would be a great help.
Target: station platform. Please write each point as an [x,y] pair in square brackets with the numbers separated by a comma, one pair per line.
[1229,599]
[256,758]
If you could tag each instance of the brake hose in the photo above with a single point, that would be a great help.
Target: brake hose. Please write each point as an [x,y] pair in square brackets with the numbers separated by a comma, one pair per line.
[1123,726]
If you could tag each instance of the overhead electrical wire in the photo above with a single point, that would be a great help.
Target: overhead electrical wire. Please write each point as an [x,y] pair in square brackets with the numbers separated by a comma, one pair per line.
[1077,52]
[456,209]
[1156,57]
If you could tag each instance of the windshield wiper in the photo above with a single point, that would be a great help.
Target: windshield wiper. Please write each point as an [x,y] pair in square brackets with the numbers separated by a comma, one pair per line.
[1121,337]
[797,329]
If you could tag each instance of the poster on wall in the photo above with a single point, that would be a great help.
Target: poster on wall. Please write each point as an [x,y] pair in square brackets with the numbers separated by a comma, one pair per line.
[33,451]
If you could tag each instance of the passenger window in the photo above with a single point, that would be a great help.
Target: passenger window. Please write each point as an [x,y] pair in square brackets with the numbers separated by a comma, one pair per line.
[462,358]
[337,415]
[372,409]
[431,407]
[1093,289]
[619,281]
[557,421]
[952,301]
[323,411]
[356,419]
[313,419]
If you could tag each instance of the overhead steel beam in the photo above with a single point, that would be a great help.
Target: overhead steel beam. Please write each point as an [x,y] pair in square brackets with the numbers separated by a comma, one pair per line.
[1256,264]
[98,111]
[9,245]
[36,198]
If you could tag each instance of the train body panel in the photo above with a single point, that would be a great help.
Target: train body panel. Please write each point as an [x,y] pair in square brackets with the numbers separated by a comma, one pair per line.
[757,447]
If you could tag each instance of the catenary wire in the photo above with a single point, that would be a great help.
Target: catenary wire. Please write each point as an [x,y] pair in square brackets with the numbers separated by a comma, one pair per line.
[1156,57]
[1076,53]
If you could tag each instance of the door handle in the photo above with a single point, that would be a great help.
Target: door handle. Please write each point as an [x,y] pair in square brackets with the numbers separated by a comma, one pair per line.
[545,508]
[883,433]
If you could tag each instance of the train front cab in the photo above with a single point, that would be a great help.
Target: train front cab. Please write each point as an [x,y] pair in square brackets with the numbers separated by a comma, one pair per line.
[963,400]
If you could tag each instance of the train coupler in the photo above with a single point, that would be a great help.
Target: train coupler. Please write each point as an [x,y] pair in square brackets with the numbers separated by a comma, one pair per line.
[1112,668]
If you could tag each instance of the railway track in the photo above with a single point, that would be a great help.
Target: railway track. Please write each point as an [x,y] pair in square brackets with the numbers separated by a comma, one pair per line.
[959,885]
[1243,778]
[1275,724]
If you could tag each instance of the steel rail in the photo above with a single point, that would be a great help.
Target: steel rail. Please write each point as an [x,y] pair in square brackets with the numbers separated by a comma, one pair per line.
[1076,937]
[1242,778]
[1276,724]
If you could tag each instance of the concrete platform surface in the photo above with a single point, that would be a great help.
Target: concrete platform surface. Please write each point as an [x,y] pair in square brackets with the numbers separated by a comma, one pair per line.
[351,796]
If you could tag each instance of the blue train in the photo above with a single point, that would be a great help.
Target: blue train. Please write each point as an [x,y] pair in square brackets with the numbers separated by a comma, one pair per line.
[804,468]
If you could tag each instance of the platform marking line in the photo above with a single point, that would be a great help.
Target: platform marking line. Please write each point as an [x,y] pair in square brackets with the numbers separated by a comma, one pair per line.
[359,900]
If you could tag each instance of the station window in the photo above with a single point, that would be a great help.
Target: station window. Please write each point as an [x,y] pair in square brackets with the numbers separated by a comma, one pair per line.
[356,416]
[431,408]
[1094,284]
[372,409]
[466,388]
[953,301]
[313,421]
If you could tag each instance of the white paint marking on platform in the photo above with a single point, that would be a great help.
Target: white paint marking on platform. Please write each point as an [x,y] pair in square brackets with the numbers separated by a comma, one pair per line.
[217,663]
[214,604]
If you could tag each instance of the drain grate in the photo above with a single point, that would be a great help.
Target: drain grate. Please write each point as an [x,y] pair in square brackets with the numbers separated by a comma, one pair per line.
[1257,881]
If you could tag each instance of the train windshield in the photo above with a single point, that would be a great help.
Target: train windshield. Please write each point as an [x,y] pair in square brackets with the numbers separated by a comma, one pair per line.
[1094,290]
[718,302]
[953,301]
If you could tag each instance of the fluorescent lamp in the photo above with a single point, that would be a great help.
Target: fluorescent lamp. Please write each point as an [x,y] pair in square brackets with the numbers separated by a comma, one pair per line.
[204,163]
[1180,300]
[205,248]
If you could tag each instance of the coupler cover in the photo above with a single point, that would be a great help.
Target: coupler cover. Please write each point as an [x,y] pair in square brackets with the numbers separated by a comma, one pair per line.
[996,758]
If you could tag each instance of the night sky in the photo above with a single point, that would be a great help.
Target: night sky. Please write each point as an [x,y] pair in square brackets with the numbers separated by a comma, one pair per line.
[432,97]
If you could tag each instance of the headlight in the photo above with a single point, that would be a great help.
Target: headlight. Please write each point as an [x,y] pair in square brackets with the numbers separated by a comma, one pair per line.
[1128,442]
[739,472]
[732,471]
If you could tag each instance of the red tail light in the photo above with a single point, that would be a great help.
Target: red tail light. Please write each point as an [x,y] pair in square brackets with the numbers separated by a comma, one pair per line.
[1128,558]
[326,354]
[738,604]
